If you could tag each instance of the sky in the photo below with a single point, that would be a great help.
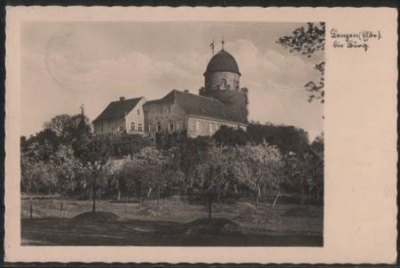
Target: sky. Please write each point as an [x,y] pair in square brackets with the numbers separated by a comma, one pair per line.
[67,64]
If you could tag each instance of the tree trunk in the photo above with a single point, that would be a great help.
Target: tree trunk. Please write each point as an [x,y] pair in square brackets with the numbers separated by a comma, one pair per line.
[149,192]
[303,199]
[30,207]
[119,194]
[30,199]
[257,194]
[91,192]
[61,208]
[209,206]
[158,195]
[218,196]
[256,200]
[276,199]
[94,194]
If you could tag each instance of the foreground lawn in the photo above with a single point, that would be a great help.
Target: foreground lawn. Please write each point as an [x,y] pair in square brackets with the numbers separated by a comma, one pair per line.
[172,223]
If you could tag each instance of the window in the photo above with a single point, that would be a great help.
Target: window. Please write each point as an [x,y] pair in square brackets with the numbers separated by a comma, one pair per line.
[171,126]
[223,83]
[237,85]
[138,111]
[140,127]
[158,127]
[133,126]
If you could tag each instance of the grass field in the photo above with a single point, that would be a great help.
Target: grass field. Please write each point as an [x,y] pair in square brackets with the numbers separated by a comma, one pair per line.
[173,222]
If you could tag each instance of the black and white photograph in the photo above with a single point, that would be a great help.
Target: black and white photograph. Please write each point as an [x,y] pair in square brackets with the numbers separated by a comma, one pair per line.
[172,133]
[200,135]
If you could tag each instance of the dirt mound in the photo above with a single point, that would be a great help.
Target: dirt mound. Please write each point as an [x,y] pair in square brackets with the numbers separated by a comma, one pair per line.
[93,217]
[149,212]
[222,208]
[216,226]
[156,212]
[304,212]
[247,216]
[246,206]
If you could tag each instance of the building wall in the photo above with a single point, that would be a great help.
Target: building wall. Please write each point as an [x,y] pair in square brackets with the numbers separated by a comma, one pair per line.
[109,126]
[236,100]
[214,81]
[134,120]
[164,117]
[207,127]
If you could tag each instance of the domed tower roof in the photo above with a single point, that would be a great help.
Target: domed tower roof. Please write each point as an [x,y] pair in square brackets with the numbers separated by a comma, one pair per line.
[222,62]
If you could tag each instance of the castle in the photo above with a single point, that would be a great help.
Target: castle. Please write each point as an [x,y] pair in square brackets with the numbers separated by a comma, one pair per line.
[221,102]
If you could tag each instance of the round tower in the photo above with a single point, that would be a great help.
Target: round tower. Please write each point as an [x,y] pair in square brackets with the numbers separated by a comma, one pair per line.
[222,82]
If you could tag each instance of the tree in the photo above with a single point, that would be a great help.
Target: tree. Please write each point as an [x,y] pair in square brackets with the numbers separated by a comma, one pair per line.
[317,182]
[213,173]
[93,153]
[230,136]
[68,128]
[187,155]
[41,146]
[256,166]
[307,41]
[58,124]
[68,170]
[285,138]
[129,145]
[155,163]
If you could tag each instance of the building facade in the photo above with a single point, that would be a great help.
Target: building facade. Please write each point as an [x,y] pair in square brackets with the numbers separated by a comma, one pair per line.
[221,102]
[122,116]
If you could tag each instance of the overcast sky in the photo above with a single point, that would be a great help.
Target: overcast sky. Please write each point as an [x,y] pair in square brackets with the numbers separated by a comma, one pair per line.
[94,63]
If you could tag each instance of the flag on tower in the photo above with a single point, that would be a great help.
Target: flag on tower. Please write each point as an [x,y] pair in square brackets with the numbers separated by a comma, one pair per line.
[212,47]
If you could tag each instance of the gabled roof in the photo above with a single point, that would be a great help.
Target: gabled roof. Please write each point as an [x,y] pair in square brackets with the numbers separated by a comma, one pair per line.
[118,109]
[201,106]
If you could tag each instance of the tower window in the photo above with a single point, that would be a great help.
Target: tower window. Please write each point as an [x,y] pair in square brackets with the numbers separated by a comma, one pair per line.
[158,128]
[223,83]
[237,85]
[171,125]
[138,111]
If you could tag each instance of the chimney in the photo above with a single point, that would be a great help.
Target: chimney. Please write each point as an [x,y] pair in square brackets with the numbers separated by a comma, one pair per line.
[121,98]
[186,90]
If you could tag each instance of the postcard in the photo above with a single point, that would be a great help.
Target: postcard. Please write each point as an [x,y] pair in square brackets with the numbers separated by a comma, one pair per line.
[229,135]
